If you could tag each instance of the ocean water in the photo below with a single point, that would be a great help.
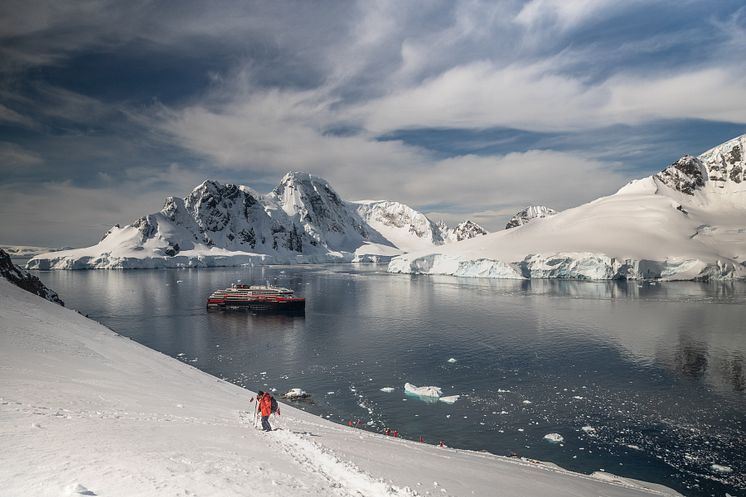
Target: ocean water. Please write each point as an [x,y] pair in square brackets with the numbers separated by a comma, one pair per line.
[646,381]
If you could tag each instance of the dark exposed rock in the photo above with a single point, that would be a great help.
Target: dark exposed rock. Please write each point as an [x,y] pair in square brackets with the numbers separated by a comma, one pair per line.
[529,214]
[685,175]
[735,155]
[736,174]
[172,250]
[248,237]
[25,280]
[468,229]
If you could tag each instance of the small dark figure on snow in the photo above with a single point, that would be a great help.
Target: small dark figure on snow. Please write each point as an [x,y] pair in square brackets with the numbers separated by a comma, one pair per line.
[264,406]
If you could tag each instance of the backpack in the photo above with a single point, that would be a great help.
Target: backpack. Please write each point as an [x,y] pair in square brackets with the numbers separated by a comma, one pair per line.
[275,405]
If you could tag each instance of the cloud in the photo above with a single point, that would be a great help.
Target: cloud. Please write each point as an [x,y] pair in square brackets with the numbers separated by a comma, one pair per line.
[59,213]
[324,86]
[265,134]
[13,156]
[562,14]
[9,116]
[537,98]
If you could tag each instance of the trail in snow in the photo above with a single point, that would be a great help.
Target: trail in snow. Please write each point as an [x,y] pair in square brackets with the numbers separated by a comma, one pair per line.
[344,477]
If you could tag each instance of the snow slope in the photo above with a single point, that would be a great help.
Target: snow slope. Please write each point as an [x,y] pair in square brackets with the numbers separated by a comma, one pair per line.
[303,220]
[84,411]
[686,222]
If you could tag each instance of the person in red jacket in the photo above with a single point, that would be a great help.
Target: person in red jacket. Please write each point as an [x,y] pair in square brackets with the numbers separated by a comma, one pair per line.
[264,405]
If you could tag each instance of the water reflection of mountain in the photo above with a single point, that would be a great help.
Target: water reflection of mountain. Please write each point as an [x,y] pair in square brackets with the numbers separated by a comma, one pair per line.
[692,329]
[604,290]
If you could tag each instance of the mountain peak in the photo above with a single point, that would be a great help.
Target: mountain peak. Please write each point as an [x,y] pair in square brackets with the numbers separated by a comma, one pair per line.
[529,214]
[467,229]
[717,168]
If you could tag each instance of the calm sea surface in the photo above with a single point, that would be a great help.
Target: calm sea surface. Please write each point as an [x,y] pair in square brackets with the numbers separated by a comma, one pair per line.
[646,381]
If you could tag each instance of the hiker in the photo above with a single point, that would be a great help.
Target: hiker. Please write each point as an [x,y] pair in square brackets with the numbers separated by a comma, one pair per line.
[264,405]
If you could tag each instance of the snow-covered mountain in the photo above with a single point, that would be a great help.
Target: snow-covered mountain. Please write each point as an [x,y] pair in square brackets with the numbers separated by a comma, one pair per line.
[686,222]
[411,230]
[302,220]
[529,214]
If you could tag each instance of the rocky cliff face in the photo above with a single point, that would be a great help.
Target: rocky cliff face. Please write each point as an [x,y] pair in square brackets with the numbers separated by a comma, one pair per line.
[529,214]
[716,169]
[464,231]
[23,279]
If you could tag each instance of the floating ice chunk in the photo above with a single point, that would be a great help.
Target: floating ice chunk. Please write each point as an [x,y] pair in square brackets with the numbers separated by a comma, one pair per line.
[721,469]
[387,389]
[452,360]
[330,393]
[296,393]
[423,391]
[554,438]
[588,429]
[526,402]
[451,399]
[578,397]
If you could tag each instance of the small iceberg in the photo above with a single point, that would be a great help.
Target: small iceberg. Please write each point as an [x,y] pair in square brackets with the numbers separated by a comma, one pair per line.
[451,399]
[296,394]
[432,392]
[387,389]
[554,438]
[721,469]
[452,360]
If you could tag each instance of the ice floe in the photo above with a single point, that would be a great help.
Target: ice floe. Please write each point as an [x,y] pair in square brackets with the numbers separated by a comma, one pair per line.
[429,391]
[554,438]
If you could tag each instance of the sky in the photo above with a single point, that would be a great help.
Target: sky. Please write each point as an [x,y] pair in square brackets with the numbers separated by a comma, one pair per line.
[460,109]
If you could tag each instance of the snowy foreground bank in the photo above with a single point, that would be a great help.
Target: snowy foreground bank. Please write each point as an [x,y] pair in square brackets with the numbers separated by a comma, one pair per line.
[84,411]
